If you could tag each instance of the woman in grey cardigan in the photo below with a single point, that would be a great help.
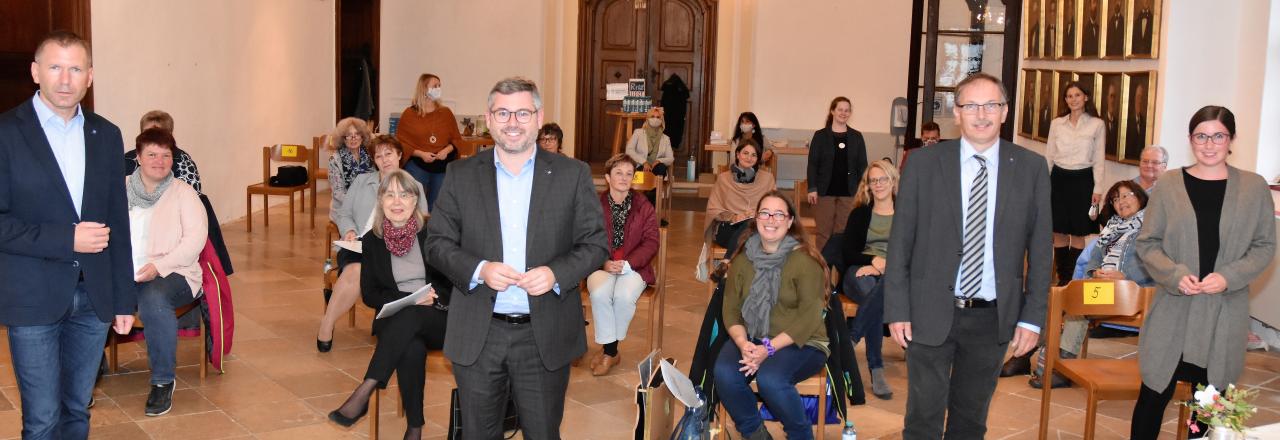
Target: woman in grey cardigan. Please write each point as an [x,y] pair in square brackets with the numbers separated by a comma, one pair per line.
[354,219]
[1208,233]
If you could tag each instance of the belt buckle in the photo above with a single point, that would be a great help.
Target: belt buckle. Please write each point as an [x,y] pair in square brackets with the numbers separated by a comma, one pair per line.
[964,303]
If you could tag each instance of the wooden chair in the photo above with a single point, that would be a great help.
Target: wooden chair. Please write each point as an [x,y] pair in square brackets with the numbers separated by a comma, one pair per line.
[284,153]
[647,181]
[318,144]
[1102,379]
[657,294]
[113,350]
[331,276]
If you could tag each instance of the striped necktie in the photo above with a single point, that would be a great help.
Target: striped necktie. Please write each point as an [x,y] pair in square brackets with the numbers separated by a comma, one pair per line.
[975,233]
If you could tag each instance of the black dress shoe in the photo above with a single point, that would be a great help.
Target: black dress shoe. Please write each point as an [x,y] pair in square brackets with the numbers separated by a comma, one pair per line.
[1017,365]
[324,346]
[160,400]
[345,421]
[1057,382]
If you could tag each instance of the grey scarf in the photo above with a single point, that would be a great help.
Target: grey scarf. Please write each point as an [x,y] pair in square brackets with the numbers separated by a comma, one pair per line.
[137,192]
[743,175]
[764,288]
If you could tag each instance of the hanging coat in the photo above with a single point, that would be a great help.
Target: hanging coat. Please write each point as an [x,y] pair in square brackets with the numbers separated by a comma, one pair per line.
[675,98]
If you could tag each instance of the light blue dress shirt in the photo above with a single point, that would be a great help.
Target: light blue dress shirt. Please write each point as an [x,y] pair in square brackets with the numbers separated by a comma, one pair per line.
[66,138]
[968,171]
[514,192]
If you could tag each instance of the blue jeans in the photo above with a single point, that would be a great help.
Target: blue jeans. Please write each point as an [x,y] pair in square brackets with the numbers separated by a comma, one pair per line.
[56,365]
[869,323]
[156,301]
[431,182]
[776,379]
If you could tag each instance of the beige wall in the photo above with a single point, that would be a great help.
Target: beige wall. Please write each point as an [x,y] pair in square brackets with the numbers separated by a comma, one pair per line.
[235,74]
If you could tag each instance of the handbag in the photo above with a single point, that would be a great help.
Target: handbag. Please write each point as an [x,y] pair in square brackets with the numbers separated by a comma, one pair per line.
[289,175]
[859,288]
[510,422]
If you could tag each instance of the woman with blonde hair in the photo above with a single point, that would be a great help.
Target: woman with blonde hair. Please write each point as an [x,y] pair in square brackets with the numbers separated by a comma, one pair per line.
[866,245]
[649,147]
[429,133]
[349,157]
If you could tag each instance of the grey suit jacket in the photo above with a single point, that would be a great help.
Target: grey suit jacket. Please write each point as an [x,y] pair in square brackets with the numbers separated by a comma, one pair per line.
[564,234]
[924,249]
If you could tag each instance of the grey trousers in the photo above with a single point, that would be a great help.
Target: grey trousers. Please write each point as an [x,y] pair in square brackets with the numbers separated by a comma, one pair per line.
[954,381]
[510,361]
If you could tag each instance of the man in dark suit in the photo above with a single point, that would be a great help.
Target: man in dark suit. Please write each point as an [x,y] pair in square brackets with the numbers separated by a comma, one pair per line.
[1115,29]
[969,213]
[65,258]
[1069,18]
[1092,30]
[1143,25]
[515,230]
[1135,138]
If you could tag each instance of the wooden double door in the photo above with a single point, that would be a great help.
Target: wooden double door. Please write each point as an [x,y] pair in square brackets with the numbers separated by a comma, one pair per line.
[23,24]
[650,39]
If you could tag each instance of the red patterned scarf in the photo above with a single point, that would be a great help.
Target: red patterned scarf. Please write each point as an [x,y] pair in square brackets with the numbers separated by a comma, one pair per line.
[400,239]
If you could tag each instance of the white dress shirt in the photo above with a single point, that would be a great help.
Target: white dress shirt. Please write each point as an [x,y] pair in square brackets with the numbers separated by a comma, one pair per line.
[1078,146]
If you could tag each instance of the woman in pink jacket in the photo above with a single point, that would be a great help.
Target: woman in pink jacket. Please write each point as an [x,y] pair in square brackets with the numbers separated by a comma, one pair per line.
[168,228]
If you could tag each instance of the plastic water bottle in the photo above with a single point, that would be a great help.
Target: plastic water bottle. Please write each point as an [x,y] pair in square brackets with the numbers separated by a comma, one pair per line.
[849,433]
[691,173]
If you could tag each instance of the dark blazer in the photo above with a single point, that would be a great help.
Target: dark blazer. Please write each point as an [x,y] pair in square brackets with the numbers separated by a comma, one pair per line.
[38,266]
[639,235]
[564,233]
[924,249]
[378,283]
[822,151]
[855,238]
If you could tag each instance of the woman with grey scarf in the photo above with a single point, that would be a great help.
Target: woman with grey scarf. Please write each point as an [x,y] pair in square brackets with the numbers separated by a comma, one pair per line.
[168,229]
[774,295]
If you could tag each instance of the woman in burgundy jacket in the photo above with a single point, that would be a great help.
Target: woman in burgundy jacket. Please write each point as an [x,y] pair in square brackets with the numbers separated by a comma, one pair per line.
[633,242]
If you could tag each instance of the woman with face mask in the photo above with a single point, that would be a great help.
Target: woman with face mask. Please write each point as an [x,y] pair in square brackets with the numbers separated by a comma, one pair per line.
[430,136]
[649,147]
[749,128]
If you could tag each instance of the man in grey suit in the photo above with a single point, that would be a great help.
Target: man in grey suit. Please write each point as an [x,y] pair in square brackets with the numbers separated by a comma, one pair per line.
[516,230]
[968,215]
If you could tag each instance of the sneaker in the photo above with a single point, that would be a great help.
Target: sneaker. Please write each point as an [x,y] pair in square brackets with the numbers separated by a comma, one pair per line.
[160,401]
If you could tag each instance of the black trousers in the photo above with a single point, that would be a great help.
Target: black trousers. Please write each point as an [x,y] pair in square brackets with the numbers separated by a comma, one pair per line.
[954,381]
[403,341]
[1148,411]
[510,361]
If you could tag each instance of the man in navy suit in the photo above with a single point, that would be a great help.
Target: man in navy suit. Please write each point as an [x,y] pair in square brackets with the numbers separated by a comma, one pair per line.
[65,258]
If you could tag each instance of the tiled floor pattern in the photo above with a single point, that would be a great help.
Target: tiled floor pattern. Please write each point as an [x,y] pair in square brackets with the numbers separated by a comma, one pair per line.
[277,386]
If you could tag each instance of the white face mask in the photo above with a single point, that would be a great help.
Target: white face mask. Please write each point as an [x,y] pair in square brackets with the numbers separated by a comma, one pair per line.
[434,93]
[655,122]
[746,128]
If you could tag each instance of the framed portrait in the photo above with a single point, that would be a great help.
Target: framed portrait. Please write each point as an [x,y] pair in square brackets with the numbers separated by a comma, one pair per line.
[1115,31]
[1139,107]
[1090,28]
[1111,92]
[1034,19]
[1145,29]
[1089,81]
[1051,28]
[1027,125]
[1044,104]
[1063,78]
[1070,30]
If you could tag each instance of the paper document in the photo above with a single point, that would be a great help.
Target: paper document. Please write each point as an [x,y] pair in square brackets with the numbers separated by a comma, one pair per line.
[353,245]
[393,307]
[680,385]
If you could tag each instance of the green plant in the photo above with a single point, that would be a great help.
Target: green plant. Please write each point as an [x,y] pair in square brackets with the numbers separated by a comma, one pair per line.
[1228,409]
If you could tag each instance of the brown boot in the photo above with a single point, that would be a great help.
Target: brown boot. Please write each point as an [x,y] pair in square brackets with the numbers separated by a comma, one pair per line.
[606,363]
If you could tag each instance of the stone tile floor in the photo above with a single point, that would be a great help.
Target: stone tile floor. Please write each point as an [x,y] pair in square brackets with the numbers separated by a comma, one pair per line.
[277,386]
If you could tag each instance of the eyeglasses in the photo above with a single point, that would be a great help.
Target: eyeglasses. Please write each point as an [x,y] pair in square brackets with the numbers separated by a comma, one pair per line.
[356,136]
[1152,162]
[990,107]
[766,215]
[544,139]
[1122,196]
[402,195]
[879,181]
[503,115]
[1217,138]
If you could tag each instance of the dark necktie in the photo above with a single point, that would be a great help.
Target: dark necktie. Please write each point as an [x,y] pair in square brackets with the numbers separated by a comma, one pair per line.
[975,233]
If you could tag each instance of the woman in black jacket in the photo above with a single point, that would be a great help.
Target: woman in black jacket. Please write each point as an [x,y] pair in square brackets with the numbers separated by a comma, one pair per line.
[866,244]
[837,156]
[394,266]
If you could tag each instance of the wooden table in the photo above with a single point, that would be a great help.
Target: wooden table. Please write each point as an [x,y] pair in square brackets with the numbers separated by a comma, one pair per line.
[623,126]
[472,143]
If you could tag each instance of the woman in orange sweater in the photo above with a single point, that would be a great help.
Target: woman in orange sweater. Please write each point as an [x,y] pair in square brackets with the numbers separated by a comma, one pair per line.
[430,136]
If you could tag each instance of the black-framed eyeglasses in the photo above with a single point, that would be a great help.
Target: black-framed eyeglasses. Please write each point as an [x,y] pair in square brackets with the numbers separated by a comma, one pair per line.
[766,215]
[990,107]
[1217,138]
[523,116]
[544,139]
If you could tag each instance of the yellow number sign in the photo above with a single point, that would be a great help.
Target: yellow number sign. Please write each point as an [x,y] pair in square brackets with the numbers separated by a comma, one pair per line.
[288,151]
[1099,293]
[638,179]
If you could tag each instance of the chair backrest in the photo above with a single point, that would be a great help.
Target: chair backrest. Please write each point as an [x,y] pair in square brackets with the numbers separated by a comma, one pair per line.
[644,181]
[289,153]
[1099,297]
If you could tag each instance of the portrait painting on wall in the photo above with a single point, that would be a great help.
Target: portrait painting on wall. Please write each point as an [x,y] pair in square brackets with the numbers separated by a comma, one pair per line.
[1146,29]
[1070,20]
[1089,80]
[1033,29]
[1044,105]
[1139,109]
[1027,126]
[1090,28]
[1059,103]
[1110,94]
[1115,33]
[1050,29]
